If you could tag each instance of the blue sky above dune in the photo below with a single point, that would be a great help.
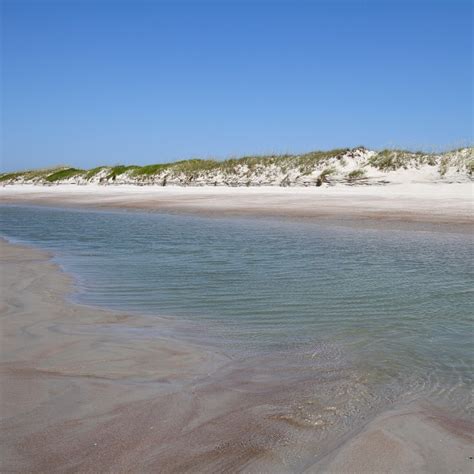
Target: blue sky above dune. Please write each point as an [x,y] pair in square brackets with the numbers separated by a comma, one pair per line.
[107,82]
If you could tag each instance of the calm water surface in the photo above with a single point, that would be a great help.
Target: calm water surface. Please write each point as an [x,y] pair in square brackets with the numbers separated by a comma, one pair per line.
[397,305]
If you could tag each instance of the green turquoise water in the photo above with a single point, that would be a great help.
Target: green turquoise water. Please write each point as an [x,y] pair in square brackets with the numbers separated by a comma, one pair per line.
[395,306]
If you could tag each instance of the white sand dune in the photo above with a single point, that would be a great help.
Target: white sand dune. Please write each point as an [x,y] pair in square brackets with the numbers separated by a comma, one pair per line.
[357,166]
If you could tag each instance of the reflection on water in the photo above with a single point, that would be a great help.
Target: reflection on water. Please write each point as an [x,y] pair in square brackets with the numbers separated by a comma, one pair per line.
[394,306]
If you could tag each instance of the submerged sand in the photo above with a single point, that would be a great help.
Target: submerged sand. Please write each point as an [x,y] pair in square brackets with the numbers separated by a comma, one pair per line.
[436,206]
[88,390]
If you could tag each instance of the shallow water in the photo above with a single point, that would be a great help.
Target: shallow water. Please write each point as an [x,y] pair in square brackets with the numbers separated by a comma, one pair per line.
[393,308]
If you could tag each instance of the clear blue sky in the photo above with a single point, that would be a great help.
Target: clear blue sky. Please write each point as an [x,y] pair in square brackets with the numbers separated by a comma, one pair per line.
[107,82]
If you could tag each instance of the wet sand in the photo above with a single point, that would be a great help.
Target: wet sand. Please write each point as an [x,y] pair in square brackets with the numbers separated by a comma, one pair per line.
[88,390]
[416,205]
[411,439]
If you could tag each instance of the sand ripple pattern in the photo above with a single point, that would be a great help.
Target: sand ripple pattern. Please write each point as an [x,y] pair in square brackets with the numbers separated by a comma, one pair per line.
[395,308]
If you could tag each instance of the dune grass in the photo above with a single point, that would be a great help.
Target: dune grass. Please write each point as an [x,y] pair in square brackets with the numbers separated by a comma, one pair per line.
[91,173]
[36,174]
[11,176]
[64,174]
[391,160]
[307,163]
[356,174]
[149,170]
[327,172]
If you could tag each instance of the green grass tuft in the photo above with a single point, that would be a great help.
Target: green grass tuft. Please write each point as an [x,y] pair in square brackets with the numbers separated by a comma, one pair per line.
[91,173]
[470,167]
[356,174]
[64,174]
[149,170]
[326,172]
[11,176]
[120,169]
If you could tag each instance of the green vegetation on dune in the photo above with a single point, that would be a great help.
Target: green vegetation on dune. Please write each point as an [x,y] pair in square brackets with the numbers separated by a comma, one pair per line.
[120,169]
[391,160]
[319,166]
[194,165]
[327,172]
[316,157]
[64,174]
[11,176]
[356,174]
[91,173]
[37,174]
[149,170]
[470,167]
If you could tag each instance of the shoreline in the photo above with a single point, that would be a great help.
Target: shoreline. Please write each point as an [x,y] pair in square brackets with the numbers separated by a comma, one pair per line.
[86,389]
[433,207]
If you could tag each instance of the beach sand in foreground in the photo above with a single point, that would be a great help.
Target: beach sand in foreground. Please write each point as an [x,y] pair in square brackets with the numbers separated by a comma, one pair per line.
[87,390]
[417,205]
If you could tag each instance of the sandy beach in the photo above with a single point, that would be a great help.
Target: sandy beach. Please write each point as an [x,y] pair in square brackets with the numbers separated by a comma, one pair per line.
[424,206]
[236,237]
[87,390]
